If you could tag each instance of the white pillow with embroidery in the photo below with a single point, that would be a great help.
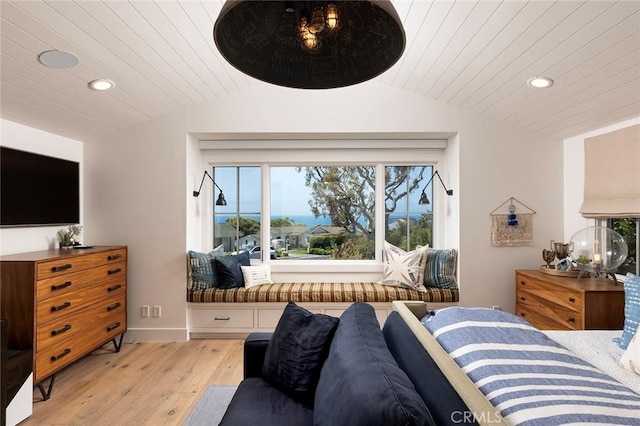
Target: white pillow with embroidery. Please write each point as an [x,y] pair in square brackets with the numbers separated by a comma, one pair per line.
[404,269]
[631,357]
[256,275]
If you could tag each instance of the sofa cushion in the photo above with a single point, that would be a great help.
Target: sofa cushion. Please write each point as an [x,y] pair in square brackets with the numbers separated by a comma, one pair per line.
[443,402]
[297,350]
[258,402]
[361,383]
[228,272]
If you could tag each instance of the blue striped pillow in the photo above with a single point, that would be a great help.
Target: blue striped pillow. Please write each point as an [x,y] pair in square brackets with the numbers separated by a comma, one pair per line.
[440,269]
[201,274]
[631,309]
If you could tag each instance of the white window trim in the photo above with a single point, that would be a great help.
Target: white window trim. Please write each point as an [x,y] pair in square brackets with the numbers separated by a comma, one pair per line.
[267,154]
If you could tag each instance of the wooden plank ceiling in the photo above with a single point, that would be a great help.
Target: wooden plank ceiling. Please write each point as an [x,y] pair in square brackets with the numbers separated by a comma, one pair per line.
[476,55]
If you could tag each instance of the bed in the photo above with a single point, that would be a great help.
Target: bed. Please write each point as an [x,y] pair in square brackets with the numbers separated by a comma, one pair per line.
[508,372]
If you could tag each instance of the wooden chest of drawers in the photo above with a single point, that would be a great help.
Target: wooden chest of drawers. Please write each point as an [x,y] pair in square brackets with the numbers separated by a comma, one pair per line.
[559,303]
[63,304]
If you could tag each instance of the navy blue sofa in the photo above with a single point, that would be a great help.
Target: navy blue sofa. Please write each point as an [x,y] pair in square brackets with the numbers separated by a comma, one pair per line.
[370,377]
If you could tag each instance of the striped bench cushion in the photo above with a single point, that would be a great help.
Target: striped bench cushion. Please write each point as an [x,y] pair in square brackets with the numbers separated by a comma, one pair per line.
[322,292]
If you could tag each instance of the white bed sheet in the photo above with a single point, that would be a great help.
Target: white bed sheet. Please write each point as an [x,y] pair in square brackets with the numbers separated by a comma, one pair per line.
[598,348]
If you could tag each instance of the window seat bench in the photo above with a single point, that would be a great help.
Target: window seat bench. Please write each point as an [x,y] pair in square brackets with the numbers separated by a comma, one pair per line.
[236,312]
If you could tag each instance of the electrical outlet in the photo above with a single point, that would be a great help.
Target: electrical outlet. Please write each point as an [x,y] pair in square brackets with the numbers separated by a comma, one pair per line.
[145,311]
[156,311]
[496,308]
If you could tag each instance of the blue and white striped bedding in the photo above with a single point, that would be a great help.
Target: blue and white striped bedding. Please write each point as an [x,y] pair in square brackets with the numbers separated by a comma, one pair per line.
[527,377]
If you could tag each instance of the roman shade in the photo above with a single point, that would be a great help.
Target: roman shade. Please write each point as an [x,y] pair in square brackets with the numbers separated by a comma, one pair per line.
[612,174]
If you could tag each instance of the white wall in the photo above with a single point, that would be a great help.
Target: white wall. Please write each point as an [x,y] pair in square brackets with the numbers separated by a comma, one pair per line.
[573,167]
[136,196]
[18,136]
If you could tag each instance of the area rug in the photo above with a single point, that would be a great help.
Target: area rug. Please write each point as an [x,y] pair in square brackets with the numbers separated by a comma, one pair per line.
[211,407]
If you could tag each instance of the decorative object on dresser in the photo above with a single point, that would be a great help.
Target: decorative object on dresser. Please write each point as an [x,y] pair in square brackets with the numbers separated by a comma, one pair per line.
[602,249]
[564,303]
[63,304]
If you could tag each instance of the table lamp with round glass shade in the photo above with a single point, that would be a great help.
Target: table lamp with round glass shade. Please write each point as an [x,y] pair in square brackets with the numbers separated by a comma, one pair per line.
[598,250]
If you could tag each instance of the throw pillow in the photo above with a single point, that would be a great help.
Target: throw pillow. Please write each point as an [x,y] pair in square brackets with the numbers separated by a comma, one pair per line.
[631,357]
[228,272]
[361,383]
[631,309]
[297,350]
[440,268]
[256,275]
[404,269]
[200,272]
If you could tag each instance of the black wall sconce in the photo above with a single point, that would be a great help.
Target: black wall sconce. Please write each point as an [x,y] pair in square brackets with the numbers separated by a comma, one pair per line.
[423,197]
[220,201]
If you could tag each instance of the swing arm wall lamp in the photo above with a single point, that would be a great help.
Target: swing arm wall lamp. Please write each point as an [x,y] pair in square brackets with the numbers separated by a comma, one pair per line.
[423,197]
[220,201]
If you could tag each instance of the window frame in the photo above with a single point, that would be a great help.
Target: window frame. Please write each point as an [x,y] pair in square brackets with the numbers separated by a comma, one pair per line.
[350,153]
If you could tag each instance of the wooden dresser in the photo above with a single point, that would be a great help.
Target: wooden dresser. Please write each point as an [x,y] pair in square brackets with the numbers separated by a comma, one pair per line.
[559,303]
[63,304]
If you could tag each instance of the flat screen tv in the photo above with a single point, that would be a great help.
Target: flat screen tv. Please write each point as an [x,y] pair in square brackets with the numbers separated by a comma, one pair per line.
[37,190]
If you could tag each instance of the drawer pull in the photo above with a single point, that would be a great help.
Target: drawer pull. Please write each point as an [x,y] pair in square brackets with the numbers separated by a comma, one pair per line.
[114,271]
[114,257]
[114,288]
[523,283]
[523,298]
[571,320]
[522,314]
[64,353]
[61,268]
[62,330]
[572,300]
[114,326]
[221,319]
[114,306]
[60,307]
[60,286]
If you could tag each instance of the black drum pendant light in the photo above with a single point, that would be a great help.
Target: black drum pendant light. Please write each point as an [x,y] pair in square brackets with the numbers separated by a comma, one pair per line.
[310,44]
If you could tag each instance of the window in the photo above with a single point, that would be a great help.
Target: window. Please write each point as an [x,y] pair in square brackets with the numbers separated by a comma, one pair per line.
[322,212]
[237,225]
[407,223]
[628,229]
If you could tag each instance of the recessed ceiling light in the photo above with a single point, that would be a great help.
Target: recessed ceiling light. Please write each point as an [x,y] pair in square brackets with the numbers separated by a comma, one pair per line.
[102,84]
[540,82]
[58,59]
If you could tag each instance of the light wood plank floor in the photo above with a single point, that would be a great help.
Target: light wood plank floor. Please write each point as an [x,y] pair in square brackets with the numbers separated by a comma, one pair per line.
[148,383]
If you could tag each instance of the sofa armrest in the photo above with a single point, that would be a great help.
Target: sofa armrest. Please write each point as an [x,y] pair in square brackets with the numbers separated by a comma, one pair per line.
[255,348]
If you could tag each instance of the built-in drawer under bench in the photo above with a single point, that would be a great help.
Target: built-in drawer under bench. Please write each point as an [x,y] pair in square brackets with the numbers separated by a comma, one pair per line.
[236,312]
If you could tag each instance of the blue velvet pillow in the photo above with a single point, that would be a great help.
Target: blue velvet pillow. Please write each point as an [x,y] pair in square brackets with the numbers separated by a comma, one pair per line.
[202,274]
[297,350]
[228,271]
[361,382]
[631,309]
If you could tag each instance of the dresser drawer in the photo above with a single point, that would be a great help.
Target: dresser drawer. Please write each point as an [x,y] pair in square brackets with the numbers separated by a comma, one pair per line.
[222,318]
[569,299]
[545,315]
[76,323]
[66,265]
[67,351]
[65,304]
[73,281]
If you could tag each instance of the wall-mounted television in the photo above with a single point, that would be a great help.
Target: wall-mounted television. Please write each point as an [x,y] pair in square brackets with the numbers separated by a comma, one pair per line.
[37,190]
